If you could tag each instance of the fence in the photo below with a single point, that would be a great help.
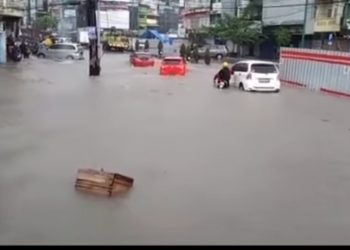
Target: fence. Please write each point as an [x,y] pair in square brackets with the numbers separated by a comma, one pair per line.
[327,71]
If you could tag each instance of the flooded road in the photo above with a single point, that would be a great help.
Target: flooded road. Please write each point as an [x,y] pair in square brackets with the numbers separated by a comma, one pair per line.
[210,166]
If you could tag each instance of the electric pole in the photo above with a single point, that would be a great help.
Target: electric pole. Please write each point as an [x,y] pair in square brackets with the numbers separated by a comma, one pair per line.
[29,13]
[94,62]
[304,25]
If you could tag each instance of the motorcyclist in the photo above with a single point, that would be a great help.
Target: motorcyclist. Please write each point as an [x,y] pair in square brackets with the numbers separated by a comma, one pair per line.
[224,75]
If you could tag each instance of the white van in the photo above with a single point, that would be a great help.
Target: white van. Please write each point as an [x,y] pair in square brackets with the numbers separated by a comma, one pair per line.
[253,75]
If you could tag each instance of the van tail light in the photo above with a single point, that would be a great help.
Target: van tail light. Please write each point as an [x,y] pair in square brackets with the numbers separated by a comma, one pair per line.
[249,76]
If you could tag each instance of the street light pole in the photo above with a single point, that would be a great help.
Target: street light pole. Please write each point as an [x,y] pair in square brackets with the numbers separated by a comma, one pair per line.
[304,25]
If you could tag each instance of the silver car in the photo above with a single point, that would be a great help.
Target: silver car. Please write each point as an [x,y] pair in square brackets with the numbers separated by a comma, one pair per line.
[69,51]
[216,51]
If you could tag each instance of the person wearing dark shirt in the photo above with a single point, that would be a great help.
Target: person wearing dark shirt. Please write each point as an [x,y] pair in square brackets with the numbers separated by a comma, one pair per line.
[224,75]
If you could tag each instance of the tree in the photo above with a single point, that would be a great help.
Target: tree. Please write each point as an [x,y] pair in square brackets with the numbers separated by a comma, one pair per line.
[282,37]
[238,30]
[46,22]
[198,37]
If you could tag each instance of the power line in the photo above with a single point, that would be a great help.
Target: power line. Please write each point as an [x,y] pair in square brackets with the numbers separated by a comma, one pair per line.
[329,2]
[79,2]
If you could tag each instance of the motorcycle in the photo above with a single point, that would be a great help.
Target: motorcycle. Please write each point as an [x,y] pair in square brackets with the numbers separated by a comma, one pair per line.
[15,53]
[221,84]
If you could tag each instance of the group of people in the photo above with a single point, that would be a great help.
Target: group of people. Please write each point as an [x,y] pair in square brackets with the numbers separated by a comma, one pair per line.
[191,53]
[20,48]
[16,51]
[146,47]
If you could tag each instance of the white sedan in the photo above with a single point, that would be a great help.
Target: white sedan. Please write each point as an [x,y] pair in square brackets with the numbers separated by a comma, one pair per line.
[253,75]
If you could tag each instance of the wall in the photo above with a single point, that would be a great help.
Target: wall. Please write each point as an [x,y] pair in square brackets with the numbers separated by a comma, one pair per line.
[228,6]
[196,14]
[168,20]
[197,4]
[282,12]
[322,70]
[2,47]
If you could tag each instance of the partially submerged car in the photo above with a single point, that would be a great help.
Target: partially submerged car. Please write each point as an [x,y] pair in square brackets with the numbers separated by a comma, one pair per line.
[173,66]
[141,59]
[70,51]
[255,75]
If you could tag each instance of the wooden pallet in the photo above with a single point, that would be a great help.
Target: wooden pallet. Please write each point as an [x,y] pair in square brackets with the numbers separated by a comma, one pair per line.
[101,182]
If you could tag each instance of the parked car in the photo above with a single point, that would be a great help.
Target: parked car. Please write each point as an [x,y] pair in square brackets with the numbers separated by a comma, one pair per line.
[141,59]
[252,75]
[173,66]
[216,51]
[70,51]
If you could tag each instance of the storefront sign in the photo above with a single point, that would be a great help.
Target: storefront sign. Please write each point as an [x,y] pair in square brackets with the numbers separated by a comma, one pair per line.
[327,25]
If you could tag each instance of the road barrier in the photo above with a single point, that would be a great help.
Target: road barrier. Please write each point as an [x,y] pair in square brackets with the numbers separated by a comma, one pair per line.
[327,71]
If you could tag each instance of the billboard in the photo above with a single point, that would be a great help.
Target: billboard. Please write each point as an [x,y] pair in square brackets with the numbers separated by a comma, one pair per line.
[120,19]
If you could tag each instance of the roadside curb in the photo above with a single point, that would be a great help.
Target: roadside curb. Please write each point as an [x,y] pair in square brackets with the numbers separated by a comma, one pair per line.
[324,91]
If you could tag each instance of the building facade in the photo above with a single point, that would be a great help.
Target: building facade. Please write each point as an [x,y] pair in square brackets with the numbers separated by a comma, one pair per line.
[196,14]
[148,15]
[234,7]
[328,16]
[11,15]
[169,12]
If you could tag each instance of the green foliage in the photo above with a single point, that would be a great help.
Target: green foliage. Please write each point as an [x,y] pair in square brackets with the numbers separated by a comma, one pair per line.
[239,30]
[198,37]
[46,22]
[282,36]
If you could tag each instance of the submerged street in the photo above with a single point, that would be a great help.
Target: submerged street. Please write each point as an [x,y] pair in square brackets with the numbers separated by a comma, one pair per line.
[210,166]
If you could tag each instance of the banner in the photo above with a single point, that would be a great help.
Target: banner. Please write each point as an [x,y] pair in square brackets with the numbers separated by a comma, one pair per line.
[120,19]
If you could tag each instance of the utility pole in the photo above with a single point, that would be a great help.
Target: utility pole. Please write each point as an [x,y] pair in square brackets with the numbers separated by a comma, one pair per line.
[94,62]
[304,25]
[345,15]
[29,13]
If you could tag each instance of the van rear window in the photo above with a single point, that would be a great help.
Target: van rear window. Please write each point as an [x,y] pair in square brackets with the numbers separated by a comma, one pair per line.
[172,61]
[263,68]
[142,55]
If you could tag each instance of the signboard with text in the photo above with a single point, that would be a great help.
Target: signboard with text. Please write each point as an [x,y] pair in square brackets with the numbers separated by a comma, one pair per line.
[327,25]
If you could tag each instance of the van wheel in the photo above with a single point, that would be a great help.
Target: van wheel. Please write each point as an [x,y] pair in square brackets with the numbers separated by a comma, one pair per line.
[241,87]
[41,55]
[69,58]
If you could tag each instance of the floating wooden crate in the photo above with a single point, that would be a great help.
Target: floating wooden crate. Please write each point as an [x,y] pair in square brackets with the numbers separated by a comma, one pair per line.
[101,182]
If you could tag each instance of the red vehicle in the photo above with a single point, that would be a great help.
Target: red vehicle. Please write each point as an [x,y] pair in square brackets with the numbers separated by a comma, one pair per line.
[173,66]
[141,59]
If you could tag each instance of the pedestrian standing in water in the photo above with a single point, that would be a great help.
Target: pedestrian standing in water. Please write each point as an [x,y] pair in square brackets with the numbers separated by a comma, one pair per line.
[207,58]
